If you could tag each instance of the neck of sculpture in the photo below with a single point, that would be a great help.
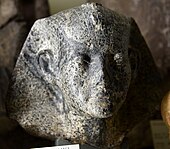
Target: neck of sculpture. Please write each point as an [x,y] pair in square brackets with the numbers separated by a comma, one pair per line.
[93,131]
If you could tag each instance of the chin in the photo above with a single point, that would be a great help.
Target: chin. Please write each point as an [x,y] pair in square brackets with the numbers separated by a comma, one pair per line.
[100,110]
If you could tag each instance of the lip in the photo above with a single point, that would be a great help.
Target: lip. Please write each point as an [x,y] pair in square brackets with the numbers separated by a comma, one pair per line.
[100,107]
[100,98]
[102,101]
[100,112]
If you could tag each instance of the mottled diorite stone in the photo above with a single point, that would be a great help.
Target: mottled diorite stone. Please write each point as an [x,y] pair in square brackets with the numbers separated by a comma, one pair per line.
[153,19]
[86,75]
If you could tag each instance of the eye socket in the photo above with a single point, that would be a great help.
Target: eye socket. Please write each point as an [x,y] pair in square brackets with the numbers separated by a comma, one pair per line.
[86,59]
[113,65]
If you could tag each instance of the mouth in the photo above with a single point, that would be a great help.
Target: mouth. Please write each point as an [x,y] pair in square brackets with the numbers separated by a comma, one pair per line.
[100,107]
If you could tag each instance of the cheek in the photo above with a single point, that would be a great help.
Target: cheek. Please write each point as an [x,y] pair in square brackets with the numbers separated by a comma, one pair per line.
[124,82]
[127,75]
[76,79]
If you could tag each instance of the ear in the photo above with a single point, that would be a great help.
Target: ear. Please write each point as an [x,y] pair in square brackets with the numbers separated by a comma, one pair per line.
[40,64]
[45,61]
[35,54]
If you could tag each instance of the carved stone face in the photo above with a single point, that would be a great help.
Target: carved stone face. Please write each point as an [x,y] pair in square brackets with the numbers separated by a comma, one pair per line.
[95,80]
[73,74]
[74,68]
[94,71]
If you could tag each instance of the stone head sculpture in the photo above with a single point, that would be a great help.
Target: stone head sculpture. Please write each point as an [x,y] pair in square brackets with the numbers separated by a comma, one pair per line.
[74,74]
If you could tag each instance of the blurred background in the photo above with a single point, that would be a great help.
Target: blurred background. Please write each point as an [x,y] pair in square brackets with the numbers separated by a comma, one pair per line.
[16,19]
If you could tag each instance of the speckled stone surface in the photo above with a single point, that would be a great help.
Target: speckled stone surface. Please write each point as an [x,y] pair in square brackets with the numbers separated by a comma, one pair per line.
[152,18]
[85,75]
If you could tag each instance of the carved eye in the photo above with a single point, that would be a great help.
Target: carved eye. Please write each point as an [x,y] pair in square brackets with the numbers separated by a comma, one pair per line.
[45,59]
[86,59]
[118,59]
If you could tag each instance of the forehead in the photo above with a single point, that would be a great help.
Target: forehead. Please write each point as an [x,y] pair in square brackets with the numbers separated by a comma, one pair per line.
[113,46]
[90,28]
[93,28]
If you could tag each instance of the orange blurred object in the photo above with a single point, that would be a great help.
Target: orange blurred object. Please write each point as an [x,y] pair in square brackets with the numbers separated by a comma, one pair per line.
[165,109]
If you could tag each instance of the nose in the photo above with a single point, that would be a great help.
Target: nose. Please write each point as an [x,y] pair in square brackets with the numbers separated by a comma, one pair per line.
[99,76]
